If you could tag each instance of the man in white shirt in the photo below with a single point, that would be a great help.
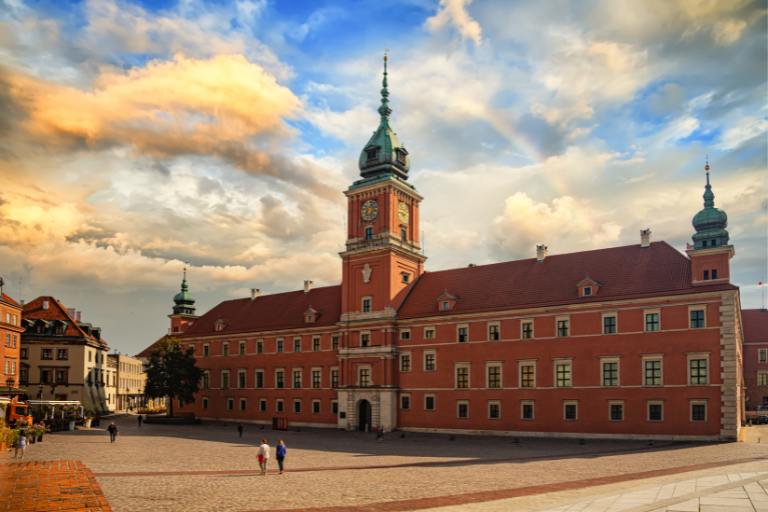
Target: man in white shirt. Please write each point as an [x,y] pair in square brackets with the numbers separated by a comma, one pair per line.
[263,455]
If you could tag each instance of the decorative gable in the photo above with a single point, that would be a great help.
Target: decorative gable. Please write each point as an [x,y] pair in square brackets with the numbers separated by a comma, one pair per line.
[310,315]
[446,301]
[587,287]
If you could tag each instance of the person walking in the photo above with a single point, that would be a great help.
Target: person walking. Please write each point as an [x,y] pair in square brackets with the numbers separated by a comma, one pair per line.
[263,456]
[112,429]
[240,430]
[21,444]
[141,420]
[280,451]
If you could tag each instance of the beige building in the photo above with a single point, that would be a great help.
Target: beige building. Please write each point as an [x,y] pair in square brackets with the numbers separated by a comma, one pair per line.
[64,358]
[130,381]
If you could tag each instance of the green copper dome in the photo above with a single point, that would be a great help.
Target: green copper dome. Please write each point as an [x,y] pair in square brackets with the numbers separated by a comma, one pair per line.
[710,222]
[184,303]
[383,154]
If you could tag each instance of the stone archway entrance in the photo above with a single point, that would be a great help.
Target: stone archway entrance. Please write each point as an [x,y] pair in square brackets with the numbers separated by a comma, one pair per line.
[364,415]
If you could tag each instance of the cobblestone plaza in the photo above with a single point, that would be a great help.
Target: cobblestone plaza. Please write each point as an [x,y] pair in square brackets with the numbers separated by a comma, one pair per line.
[207,467]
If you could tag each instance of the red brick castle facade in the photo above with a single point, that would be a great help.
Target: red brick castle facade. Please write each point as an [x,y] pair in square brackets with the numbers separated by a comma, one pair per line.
[633,341]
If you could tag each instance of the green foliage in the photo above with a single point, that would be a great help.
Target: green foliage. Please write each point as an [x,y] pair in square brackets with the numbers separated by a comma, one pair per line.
[172,372]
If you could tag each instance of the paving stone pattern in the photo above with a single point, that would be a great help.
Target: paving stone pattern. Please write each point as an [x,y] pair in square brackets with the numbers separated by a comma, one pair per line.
[207,467]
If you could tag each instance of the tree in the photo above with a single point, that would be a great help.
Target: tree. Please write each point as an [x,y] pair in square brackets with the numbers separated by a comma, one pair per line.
[172,373]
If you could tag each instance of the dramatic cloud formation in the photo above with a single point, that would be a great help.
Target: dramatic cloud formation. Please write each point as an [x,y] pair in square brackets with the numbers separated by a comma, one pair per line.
[454,12]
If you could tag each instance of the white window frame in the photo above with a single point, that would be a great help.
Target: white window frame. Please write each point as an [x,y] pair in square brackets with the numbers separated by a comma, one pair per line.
[360,338]
[277,371]
[242,351]
[362,304]
[532,403]
[520,364]
[659,358]
[488,409]
[459,403]
[335,405]
[405,334]
[317,341]
[230,404]
[370,374]
[301,408]
[623,410]
[432,331]
[698,355]
[613,314]
[494,364]
[563,318]
[300,372]
[295,340]
[263,405]
[648,405]
[280,405]
[647,312]
[330,377]
[256,379]
[456,367]
[762,373]
[400,361]
[225,349]
[524,322]
[697,307]
[458,331]
[567,403]
[242,404]
[280,342]
[206,350]
[239,373]
[221,380]
[556,362]
[424,360]
[319,407]
[400,402]
[498,330]
[613,359]
[319,371]
[693,402]
[434,402]
[762,355]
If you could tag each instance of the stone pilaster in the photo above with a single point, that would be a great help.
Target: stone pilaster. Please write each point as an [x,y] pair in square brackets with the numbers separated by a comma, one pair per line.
[730,367]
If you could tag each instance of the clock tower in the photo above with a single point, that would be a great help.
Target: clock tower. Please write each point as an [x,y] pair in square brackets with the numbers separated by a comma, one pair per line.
[382,259]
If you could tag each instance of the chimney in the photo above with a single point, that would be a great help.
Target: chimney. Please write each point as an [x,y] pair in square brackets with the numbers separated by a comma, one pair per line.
[255,292]
[541,252]
[72,312]
[308,285]
[645,237]
[78,313]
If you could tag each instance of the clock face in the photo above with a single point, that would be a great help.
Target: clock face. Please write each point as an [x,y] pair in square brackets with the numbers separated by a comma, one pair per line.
[369,210]
[402,213]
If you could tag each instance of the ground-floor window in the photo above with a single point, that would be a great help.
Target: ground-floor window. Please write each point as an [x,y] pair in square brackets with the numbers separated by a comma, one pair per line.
[655,411]
[334,407]
[462,409]
[230,404]
[527,409]
[263,405]
[405,402]
[297,406]
[279,405]
[570,411]
[205,403]
[616,411]
[698,411]
[429,402]
[494,410]
[315,406]
[242,404]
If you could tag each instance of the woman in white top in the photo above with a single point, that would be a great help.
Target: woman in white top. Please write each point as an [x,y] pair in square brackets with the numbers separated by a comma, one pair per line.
[263,456]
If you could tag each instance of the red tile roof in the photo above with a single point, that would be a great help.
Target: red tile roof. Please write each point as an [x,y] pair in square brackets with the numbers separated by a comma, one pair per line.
[623,272]
[9,300]
[33,310]
[271,312]
[755,324]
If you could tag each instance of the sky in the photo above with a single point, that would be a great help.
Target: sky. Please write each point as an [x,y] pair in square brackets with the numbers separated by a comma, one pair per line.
[137,137]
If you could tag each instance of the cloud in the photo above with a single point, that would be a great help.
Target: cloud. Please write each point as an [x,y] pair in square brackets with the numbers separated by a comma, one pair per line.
[454,13]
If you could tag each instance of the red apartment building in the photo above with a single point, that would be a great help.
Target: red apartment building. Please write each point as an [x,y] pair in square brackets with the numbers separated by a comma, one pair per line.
[634,341]
[756,356]
[10,340]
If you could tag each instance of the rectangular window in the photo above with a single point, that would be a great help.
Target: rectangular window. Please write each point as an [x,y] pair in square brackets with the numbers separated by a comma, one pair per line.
[241,348]
[241,379]
[762,355]
[429,333]
[714,273]
[259,378]
[367,305]
[23,353]
[230,404]
[651,322]
[563,374]
[652,372]
[405,402]
[609,324]
[462,333]
[462,376]
[429,402]
[61,376]
[697,318]
[527,410]
[706,275]
[364,377]
[334,377]
[494,410]
[316,344]
[225,349]
[46,353]
[316,379]
[698,371]
[762,378]
[526,329]
[493,376]
[297,344]
[279,378]
[494,332]
[242,404]
[616,411]
[562,327]
[405,362]
[260,347]
[206,380]
[698,411]
[279,345]
[62,353]
[462,409]
[205,403]
[430,361]
[655,411]
[296,379]
[334,407]
[365,339]
[225,379]
[279,405]
[527,375]
[405,334]
[297,406]
[315,406]
[206,351]
[570,411]
[334,342]
[263,405]
[610,371]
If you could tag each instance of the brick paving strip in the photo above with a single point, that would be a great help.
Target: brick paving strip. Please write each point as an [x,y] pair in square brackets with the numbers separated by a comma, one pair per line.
[62,485]
[500,494]
[429,464]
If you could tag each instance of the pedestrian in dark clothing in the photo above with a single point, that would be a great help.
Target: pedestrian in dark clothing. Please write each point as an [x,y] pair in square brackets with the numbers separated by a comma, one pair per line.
[240,430]
[280,451]
[141,420]
[112,429]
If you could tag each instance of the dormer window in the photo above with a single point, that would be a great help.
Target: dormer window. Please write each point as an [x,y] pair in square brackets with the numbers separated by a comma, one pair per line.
[219,325]
[310,315]
[445,305]
[446,301]
[588,287]
[371,154]
[587,291]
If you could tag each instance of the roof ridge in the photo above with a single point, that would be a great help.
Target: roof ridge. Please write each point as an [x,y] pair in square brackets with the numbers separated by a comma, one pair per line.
[281,293]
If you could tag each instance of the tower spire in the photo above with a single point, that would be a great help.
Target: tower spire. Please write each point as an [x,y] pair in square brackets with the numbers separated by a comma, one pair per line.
[384,109]
[184,286]
[709,196]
